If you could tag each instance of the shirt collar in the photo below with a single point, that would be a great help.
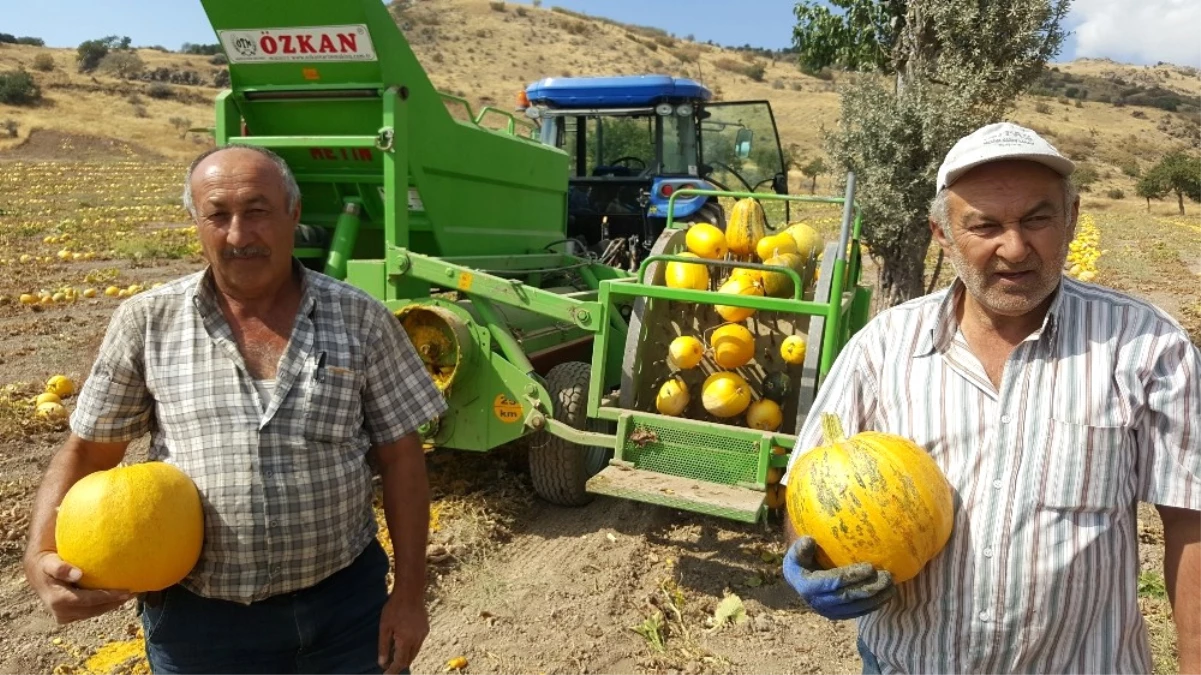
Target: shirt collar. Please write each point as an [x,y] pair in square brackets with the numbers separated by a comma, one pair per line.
[945,325]
[204,293]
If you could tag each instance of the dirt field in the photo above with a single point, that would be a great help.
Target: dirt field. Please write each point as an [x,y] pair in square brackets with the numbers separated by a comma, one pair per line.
[515,585]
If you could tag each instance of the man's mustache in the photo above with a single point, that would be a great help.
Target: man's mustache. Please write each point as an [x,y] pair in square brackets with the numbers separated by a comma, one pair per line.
[246,252]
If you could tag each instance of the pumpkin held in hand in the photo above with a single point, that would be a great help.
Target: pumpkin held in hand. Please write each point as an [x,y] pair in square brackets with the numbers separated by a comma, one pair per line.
[136,528]
[874,497]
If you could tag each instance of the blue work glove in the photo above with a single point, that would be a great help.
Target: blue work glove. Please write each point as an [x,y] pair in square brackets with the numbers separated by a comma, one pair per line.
[839,593]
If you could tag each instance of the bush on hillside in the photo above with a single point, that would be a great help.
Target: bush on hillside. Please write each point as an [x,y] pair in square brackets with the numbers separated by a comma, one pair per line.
[43,62]
[18,88]
[125,65]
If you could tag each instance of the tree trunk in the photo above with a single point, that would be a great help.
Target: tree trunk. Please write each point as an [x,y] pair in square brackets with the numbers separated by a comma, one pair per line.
[901,277]
[1148,205]
[813,185]
[1180,201]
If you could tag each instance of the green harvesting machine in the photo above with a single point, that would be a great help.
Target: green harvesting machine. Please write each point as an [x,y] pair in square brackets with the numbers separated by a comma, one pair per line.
[456,221]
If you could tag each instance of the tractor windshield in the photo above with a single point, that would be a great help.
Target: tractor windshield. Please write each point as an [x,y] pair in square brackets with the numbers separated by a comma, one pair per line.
[628,146]
[740,145]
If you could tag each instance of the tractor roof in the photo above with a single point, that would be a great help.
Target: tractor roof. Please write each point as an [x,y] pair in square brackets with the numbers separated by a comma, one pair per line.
[624,91]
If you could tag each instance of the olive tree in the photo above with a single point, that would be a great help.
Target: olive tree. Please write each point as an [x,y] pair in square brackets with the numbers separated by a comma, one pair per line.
[927,73]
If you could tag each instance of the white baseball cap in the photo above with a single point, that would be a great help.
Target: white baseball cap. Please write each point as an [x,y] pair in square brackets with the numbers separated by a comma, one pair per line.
[999,141]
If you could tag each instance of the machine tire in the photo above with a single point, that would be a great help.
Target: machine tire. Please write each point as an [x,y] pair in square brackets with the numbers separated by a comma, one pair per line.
[712,213]
[560,470]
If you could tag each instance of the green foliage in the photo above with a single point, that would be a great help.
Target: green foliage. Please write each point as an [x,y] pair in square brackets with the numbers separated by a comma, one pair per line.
[812,170]
[124,64]
[1084,177]
[945,81]
[11,39]
[200,49]
[18,88]
[1115,193]
[1151,585]
[1179,173]
[90,53]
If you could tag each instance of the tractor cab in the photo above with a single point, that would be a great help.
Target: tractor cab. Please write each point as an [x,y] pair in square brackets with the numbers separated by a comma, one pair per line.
[634,140]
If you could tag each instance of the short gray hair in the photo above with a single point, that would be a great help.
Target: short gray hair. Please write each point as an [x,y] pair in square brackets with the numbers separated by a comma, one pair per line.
[940,214]
[291,189]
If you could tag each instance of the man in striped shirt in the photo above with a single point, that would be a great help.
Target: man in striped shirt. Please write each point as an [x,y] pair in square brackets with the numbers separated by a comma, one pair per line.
[1053,407]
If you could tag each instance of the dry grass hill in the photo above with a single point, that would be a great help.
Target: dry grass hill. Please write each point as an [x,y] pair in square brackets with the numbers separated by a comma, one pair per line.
[488,50]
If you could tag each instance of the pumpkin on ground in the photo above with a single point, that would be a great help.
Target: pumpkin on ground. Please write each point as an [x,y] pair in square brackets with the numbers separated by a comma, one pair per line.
[874,497]
[137,528]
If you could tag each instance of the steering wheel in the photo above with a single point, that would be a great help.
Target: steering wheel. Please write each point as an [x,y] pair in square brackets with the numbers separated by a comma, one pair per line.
[627,159]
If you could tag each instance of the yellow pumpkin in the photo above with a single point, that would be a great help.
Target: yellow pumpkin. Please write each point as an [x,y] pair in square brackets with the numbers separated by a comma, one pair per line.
[764,415]
[808,241]
[875,497]
[779,284]
[773,245]
[746,227]
[706,241]
[673,397]
[136,528]
[738,285]
[687,275]
[725,394]
[733,345]
[685,352]
[793,350]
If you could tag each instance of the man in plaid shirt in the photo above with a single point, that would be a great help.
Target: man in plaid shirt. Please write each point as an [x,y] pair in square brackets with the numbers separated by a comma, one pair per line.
[276,390]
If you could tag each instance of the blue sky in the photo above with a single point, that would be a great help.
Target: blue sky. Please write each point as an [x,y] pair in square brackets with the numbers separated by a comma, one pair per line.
[1131,31]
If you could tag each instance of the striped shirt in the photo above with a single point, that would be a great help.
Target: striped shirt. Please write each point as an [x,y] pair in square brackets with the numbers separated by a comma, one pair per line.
[1097,410]
[285,481]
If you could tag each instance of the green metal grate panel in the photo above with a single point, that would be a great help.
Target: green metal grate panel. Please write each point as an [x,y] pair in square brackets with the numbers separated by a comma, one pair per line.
[691,454]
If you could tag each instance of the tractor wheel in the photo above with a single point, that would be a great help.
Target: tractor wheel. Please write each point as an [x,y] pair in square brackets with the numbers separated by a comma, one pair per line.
[559,469]
[711,213]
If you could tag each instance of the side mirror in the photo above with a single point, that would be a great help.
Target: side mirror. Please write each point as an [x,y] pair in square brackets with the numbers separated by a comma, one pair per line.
[779,183]
[742,143]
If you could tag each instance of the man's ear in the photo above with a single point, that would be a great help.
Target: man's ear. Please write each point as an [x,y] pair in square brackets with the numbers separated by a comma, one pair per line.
[939,235]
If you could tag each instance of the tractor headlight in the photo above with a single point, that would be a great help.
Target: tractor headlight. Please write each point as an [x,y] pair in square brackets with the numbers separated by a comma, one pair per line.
[663,109]
[684,110]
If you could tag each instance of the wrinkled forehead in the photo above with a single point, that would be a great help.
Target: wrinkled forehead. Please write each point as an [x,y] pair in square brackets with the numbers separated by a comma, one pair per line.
[1007,189]
[237,174]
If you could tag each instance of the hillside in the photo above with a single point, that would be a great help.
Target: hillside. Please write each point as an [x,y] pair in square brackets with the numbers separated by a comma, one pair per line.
[487,51]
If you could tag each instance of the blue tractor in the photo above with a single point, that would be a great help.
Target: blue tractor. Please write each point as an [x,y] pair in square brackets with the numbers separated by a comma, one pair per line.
[634,140]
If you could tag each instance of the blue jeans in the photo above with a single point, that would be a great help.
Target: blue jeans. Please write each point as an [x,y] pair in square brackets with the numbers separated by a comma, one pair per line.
[332,627]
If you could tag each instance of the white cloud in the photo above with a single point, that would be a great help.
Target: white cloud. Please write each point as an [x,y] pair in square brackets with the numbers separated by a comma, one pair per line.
[1138,31]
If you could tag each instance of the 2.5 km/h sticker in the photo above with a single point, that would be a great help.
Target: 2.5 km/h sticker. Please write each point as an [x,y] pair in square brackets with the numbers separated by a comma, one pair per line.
[316,43]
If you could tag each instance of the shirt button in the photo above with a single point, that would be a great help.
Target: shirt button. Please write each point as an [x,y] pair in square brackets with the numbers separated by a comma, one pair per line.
[988,552]
[984,616]
[996,484]
[273,523]
[267,474]
[1005,419]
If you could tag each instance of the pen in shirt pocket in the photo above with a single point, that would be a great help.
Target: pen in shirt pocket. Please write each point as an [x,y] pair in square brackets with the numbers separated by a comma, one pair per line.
[319,371]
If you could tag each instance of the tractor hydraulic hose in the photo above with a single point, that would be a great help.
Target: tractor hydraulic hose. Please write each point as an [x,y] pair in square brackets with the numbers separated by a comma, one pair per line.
[346,232]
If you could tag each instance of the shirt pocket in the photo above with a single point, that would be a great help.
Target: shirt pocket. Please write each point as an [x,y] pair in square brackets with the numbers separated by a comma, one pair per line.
[333,409]
[1087,468]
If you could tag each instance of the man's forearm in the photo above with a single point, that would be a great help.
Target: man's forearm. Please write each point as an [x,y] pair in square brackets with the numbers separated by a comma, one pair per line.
[407,511]
[1182,577]
[76,459]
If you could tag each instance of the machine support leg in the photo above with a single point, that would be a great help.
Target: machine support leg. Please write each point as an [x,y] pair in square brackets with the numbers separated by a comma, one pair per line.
[346,231]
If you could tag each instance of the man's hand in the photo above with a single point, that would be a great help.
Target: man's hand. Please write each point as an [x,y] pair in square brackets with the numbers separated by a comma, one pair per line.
[839,593]
[403,626]
[54,581]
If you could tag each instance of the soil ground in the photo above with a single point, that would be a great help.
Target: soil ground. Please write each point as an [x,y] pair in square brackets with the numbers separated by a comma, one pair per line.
[516,585]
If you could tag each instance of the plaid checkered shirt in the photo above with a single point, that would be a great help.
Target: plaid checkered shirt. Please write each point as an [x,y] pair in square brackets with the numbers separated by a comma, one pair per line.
[285,482]
[1098,409]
